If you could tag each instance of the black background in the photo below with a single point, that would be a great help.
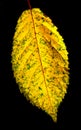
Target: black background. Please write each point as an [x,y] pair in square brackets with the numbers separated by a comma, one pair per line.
[15,109]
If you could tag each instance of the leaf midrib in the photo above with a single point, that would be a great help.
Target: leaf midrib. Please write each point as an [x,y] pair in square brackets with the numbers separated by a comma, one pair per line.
[40,57]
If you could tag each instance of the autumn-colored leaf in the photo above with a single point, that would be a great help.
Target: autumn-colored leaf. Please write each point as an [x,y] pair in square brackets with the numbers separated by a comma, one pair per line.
[40,61]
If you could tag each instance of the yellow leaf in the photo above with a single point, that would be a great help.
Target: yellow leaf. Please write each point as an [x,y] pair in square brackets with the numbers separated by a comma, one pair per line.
[40,61]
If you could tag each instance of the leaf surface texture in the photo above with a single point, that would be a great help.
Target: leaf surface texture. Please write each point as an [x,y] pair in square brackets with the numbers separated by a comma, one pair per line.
[40,61]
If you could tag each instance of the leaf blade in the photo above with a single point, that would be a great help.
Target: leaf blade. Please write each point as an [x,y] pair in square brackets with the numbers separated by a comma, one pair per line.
[40,68]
